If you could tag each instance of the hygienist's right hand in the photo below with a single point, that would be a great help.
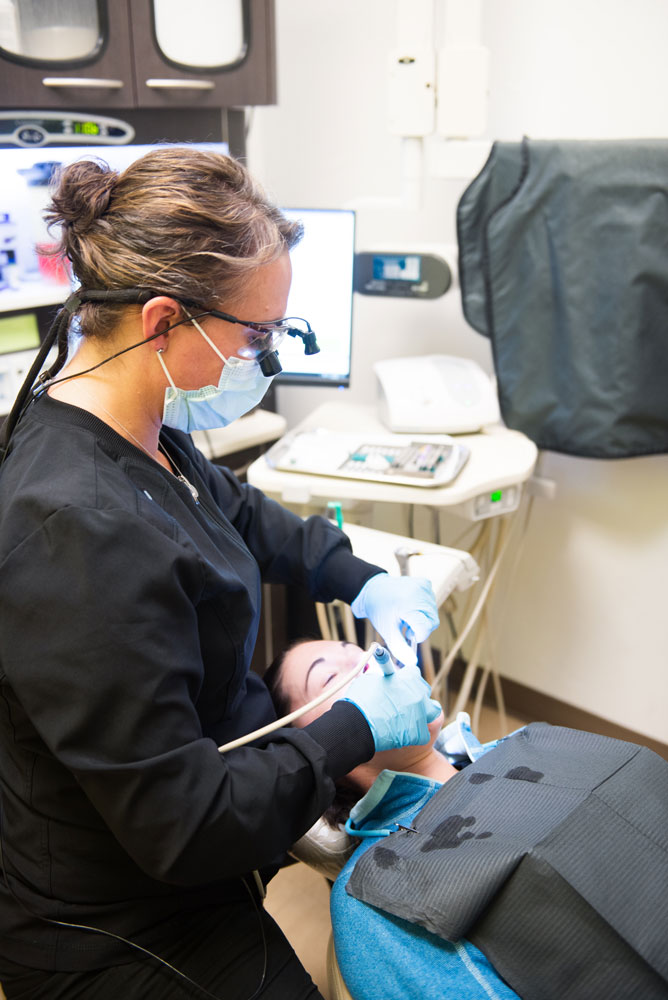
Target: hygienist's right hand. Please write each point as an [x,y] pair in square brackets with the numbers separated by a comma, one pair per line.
[397,708]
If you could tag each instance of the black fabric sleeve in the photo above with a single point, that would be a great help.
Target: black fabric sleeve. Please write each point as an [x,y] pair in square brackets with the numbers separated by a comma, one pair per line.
[345,736]
[313,553]
[100,645]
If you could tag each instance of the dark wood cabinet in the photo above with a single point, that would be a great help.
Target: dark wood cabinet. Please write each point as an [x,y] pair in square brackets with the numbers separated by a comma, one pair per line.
[125,67]
[249,80]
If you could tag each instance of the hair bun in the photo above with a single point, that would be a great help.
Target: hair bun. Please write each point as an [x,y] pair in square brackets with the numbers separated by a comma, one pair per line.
[82,195]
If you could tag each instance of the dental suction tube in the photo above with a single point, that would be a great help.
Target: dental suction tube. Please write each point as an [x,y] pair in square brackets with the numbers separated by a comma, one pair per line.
[375,651]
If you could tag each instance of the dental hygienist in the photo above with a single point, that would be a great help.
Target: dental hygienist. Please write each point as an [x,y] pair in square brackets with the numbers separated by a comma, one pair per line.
[133,852]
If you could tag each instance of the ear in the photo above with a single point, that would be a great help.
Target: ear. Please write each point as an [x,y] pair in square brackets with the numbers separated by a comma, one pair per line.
[158,315]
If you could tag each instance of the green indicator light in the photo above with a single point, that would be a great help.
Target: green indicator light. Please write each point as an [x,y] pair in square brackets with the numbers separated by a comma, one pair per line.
[496,496]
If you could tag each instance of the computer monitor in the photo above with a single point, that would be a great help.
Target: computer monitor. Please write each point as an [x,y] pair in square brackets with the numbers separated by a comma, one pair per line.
[322,263]
[27,279]
[322,293]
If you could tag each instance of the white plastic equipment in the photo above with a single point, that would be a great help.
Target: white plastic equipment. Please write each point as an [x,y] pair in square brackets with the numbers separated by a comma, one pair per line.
[435,394]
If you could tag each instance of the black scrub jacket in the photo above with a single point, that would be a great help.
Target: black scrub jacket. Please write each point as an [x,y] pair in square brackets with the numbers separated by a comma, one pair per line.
[129,615]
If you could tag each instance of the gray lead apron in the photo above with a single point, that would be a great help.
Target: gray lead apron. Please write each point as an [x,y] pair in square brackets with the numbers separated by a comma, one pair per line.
[550,853]
[563,261]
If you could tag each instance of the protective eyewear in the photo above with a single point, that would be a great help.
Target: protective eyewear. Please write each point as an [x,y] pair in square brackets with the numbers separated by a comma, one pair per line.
[263,339]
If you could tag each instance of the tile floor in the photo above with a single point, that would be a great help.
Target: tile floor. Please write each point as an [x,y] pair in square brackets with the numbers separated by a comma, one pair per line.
[298,898]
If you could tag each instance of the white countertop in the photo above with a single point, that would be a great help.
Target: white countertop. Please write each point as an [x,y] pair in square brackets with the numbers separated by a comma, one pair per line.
[258,427]
[499,458]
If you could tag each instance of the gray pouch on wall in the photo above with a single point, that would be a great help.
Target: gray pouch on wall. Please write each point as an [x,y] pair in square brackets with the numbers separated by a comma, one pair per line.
[563,263]
[550,853]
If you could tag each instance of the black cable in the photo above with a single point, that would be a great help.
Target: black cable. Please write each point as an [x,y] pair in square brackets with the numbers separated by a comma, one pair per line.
[133,944]
[24,397]
[57,333]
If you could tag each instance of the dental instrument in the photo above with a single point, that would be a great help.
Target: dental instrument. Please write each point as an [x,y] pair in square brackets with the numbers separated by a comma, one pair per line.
[384,660]
[382,657]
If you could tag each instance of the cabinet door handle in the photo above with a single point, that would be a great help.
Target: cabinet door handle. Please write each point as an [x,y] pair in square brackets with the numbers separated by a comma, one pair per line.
[81,81]
[180,84]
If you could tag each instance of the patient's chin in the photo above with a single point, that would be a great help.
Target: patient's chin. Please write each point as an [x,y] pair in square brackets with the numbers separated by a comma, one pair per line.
[436,726]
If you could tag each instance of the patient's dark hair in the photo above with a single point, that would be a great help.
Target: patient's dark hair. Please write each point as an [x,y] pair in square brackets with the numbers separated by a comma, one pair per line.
[272,678]
[346,793]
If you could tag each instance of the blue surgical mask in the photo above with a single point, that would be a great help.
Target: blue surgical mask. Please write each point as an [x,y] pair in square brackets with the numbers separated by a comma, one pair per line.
[241,387]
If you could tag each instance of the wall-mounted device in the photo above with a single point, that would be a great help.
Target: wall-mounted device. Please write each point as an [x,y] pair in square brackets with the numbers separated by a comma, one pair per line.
[32,129]
[19,340]
[435,394]
[403,275]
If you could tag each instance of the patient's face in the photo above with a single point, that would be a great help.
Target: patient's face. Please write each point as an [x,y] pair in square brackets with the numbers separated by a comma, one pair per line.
[311,667]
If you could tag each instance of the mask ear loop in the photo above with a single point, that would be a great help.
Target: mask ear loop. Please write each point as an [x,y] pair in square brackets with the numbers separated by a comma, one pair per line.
[164,368]
[206,336]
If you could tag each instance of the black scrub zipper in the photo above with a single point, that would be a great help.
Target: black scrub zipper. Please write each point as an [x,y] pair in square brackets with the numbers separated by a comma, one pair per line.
[178,474]
[193,492]
[197,497]
[199,500]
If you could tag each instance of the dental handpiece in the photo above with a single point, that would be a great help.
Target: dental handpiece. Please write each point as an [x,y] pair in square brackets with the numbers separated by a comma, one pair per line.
[384,660]
[372,652]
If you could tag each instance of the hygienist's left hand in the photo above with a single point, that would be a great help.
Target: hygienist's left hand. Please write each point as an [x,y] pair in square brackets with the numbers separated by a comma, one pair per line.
[392,601]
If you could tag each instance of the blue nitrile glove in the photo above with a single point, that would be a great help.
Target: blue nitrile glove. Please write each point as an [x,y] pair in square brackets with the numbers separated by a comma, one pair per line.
[397,707]
[389,601]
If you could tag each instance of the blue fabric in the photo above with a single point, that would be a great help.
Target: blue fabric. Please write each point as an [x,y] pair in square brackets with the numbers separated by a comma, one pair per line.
[382,957]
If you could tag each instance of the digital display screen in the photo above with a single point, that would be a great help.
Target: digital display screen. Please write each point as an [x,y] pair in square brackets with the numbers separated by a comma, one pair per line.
[85,128]
[18,333]
[392,267]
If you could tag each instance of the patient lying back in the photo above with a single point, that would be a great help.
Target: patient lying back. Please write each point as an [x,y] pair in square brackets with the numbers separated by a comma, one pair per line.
[305,671]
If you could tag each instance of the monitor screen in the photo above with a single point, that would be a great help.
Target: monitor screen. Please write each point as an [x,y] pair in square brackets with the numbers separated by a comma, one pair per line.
[26,162]
[29,279]
[322,263]
[322,293]
[19,332]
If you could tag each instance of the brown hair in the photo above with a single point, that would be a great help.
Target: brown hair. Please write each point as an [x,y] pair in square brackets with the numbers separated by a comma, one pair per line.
[179,221]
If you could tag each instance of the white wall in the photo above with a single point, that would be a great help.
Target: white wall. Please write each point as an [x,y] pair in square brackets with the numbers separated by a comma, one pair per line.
[585,620]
